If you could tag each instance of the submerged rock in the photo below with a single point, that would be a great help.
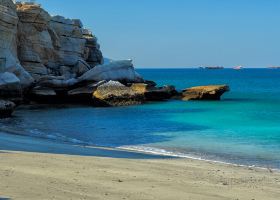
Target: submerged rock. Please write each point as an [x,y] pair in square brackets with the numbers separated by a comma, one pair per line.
[6,108]
[210,92]
[114,93]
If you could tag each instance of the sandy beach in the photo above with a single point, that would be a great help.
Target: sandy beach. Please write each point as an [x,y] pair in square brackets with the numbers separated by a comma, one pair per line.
[26,173]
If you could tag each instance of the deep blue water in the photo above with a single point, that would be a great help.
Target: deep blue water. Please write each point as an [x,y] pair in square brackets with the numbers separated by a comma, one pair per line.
[242,128]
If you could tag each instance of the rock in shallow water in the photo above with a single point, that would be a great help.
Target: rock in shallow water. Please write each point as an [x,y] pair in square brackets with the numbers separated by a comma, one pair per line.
[153,93]
[6,108]
[114,93]
[83,94]
[210,92]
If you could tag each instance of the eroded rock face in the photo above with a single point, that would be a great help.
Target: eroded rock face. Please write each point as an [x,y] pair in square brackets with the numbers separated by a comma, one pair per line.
[55,58]
[122,70]
[8,43]
[46,43]
[35,47]
[114,93]
[210,92]
[6,108]
[92,53]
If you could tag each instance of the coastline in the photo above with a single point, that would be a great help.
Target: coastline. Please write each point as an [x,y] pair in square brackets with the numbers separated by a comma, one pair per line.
[59,171]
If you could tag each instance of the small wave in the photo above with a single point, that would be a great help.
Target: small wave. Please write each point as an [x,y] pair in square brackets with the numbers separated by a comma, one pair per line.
[163,152]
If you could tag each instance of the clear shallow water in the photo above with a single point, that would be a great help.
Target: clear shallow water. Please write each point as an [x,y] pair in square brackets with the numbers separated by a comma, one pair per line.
[243,128]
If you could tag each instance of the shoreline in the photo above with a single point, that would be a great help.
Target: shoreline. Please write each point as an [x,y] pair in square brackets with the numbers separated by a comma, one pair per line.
[132,152]
[185,156]
[64,171]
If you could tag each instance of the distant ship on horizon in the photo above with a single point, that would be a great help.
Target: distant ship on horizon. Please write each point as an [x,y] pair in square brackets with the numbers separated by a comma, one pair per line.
[238,67]
[212,67]
[274,67]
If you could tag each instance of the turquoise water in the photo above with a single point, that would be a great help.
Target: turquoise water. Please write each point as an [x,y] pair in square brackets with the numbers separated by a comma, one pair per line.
[243,128]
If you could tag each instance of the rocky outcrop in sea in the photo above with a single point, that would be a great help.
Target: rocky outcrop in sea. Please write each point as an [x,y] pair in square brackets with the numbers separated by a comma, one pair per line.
[46,58]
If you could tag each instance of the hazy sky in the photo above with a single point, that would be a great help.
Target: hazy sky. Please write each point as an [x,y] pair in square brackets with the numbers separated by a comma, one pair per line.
[181,33]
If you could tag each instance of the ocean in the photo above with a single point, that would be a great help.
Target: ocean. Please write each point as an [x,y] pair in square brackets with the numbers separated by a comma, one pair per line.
[243,128]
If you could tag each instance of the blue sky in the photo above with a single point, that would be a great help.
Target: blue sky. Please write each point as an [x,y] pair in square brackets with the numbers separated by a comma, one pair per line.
[181,33]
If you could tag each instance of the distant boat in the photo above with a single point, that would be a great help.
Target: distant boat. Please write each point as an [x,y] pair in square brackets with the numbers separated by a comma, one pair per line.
[274,67]
[238,67]
[215,67]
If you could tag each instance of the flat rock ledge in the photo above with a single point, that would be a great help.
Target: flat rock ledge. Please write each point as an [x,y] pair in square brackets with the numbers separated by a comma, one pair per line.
[209,92]
[6,108]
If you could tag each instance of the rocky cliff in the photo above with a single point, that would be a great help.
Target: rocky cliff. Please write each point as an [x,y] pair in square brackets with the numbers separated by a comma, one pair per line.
[40,52]
[54,45]
[54,59]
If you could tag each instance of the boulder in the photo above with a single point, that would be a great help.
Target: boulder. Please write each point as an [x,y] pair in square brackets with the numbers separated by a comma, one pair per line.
[152,93]
[141,87]
[114,93]
[10,87]
[42,94]
[84,94]
[122,70]
[6,108]
[26,80]
[210,92]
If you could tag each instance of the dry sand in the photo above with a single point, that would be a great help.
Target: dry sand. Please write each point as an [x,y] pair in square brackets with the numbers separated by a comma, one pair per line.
[39,176]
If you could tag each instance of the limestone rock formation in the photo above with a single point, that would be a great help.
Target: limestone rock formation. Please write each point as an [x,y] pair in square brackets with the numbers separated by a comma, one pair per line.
[6,108]
[121,70]
[47,43]
[53,58]
[210,92]
[8,43]
[114,93]
[35,47]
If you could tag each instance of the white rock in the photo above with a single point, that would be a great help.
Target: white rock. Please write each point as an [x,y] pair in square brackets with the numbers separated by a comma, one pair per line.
[121,70]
